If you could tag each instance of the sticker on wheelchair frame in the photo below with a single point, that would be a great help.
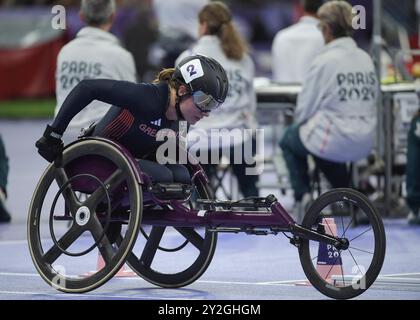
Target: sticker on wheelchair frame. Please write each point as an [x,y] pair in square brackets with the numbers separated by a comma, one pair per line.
[201,213]
[192,70]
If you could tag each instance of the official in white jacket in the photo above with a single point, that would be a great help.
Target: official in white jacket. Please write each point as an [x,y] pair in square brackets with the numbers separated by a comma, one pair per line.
[335,118]
[220,40]
[295,48]
[94,54]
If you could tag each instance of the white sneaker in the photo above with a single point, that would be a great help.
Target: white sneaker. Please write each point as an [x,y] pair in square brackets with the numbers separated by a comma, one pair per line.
[4,212]
[413,218]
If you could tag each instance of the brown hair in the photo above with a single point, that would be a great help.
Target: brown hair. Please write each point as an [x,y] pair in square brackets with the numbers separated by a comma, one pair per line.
[165,75]
[218,18]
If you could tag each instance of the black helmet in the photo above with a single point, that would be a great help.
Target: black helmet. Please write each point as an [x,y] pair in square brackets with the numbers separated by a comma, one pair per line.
[206,79]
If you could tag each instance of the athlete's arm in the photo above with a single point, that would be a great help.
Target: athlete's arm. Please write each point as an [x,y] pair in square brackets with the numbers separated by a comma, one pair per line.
[144,101]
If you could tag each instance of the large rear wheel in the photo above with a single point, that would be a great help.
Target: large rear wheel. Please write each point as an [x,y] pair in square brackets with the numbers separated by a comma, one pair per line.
[72,215]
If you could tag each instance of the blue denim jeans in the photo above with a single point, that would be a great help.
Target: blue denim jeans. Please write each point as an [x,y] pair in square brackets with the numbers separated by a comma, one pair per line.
[296,156]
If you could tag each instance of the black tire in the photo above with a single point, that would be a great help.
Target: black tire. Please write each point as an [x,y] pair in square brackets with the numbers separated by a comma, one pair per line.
[176,279]
[370,242]
[114,173]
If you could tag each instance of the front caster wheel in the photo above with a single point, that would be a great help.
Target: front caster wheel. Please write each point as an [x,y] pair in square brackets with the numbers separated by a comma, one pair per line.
[348,271]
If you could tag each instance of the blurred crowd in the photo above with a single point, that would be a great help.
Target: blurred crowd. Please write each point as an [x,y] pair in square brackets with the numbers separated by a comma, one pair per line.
[321,51]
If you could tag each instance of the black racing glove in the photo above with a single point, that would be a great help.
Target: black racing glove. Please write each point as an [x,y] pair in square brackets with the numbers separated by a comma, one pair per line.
[50,146]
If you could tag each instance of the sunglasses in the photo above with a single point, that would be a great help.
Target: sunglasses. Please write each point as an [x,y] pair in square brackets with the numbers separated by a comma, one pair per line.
[204,102]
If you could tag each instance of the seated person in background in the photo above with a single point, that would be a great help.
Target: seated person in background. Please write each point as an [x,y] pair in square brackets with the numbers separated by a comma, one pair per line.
[220,40]
[295,47]
[4,171]
[95,53]
[413,171]
[335,118]
[178,28]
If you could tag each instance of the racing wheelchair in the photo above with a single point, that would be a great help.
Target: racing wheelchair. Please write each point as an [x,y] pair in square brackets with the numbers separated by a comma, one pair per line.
[99,199]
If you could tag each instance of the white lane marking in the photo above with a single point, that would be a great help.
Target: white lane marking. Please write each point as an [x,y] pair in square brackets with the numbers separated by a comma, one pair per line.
[269,283]
[243,283]
[281,282]
[8,242]
[111,296]
[401,274]
[24,241]
[16,274]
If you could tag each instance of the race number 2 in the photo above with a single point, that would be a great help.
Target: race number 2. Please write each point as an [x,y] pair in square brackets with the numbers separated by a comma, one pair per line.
[192,70]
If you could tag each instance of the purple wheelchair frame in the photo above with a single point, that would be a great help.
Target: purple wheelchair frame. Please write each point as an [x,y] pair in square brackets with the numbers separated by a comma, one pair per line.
[275,219]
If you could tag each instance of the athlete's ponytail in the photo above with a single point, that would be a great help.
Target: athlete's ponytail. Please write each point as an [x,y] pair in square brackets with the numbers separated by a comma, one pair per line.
[218,18]
[165,75]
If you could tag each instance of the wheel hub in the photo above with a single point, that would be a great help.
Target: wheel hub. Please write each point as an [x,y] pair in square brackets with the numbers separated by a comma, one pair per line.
[344,244]
[82,216]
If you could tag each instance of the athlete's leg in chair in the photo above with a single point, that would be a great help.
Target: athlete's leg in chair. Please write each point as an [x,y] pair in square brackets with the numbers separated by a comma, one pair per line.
[180,173]
[156,171]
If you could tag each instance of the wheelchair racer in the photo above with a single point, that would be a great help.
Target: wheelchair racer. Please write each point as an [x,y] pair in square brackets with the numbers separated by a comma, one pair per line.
[189,92]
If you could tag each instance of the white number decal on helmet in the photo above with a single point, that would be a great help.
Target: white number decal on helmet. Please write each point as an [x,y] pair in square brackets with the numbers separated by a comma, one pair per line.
[192,70]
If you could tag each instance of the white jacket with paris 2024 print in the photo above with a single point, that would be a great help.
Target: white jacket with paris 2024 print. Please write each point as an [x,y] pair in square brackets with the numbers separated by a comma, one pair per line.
[93,54]
[337,106]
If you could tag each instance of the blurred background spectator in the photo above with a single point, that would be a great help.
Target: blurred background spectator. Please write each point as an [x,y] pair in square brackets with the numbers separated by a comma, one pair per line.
[413,171]
[93,54]
[219,38]
[294,48]
[29,48]
[331,124]
[4,172]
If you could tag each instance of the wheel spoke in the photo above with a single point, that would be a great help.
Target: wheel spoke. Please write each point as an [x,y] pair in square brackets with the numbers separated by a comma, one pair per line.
[192,236]
[111,183]
[361,234]
[333,264]
[361,250]
[348,226]
[355,261]
[69,195]
[331,232]
[151,246]
[64,242]
[104,246]
[342,274]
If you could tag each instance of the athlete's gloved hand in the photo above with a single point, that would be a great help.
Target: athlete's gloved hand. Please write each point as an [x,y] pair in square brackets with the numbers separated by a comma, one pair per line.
[50,146]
